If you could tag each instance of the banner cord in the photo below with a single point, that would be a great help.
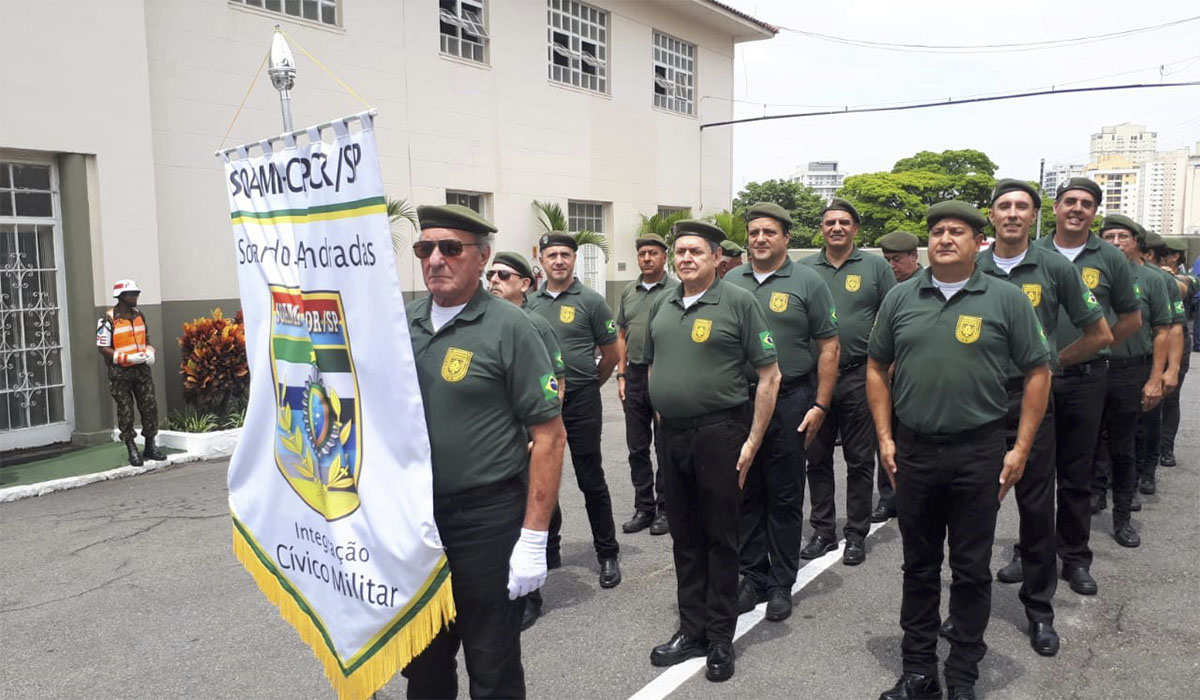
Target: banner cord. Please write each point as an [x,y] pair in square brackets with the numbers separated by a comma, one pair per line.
[324,68]
[245,97]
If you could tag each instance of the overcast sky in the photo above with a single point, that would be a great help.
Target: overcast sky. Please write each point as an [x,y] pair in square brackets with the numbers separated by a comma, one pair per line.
[793,73]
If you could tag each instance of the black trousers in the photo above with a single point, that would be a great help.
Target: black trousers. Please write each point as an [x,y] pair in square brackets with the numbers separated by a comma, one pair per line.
[1078,405]
[849,415]
[887,494]
[702,479]
[1170,409]
[1148,442]
[772,510]
[1116,451]
[479,529]
[582,415]
[947,489]
[1035,505]
[639,423]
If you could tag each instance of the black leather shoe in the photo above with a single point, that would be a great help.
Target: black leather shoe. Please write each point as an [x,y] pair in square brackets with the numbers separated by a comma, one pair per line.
[1099,502]
[855,552]
[679,649]
[533,610]
[779,605]
[818,546]
[640,521]
[135,458]
[660,526]
[960,692]
[1147,486]
[946,631]
[1135,503]
[914,686]
[720,662]
[553,559]
[882,513]
[1043,638]
[1012,572]
[610,573]
[153,452]
[749,596]
[1126,535]
[1166,459]
[1080,580]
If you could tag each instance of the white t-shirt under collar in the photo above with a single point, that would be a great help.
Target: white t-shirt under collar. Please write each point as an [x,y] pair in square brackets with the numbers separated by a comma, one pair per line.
[441,315]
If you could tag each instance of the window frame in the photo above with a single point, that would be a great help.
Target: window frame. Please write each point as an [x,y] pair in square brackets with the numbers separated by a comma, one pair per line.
[261,8]
[484,200]
[576,67]
[669,80]
[601,215]
[477,28]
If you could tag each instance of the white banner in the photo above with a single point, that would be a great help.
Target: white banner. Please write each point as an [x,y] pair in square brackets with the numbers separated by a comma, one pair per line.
[330,487]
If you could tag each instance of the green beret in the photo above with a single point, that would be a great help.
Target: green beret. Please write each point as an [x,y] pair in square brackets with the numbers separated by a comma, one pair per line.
[1152,240]
[1122,221]
[732,249]
[898,242]
[454,216]
[1013,185]
[1079,183]
[554,238]
[649,239]
[516,261]
[1176,245]
[839,204]
[695,227]
[955,209]
[770,210]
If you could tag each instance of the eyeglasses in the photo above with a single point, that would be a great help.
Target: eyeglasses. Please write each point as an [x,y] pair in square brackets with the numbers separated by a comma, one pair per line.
[504,275]
[448,247]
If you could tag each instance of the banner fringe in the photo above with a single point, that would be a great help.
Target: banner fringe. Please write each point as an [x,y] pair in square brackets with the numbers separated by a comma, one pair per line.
[374,672]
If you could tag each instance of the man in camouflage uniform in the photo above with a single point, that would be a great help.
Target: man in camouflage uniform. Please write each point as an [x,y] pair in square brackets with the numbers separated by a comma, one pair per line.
[121,340]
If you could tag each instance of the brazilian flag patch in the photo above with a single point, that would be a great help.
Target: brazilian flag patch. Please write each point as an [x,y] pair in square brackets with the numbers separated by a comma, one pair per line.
[767,340]
[558,361]
[1178,306]
[1090,299]
[833,313]
[611,326]
[550,387]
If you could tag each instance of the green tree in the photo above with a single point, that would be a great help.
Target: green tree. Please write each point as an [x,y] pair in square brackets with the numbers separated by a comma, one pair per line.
[400,213]
[799,200]
[550,217]
[662,224]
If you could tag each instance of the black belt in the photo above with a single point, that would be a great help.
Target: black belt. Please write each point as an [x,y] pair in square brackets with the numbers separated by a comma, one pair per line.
[734,414]
[479,493]
[1123,362]
[908,434]
[786,386]
[853,364]
[1084,369]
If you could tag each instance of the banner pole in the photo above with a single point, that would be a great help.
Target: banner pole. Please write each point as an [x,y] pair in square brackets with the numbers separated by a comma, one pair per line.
[283,75]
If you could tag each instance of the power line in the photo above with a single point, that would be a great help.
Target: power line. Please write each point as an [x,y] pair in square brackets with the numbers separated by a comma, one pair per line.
[951,101]
[987,48]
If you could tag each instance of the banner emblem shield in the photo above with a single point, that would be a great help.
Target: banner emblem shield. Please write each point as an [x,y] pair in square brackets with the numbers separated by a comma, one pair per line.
[968,329]
[700,330]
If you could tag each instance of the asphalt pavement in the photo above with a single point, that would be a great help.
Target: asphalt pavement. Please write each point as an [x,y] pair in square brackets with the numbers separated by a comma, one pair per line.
[129,589]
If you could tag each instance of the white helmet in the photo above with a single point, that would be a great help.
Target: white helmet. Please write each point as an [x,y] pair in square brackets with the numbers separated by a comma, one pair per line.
[123,286]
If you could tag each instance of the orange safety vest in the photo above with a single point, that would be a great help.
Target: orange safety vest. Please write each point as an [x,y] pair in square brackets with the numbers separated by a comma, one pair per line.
[128,337]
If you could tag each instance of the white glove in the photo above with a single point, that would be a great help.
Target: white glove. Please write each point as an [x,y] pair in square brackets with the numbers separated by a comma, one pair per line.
[137,358]
[527,565]
[150,355]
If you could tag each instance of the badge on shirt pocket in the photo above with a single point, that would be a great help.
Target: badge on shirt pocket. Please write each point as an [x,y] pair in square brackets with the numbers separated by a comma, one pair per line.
[566,314]
[456,364]
[779,302]
[701,328]
[853,283]
[968,329]
[1034,292]
[1091,277]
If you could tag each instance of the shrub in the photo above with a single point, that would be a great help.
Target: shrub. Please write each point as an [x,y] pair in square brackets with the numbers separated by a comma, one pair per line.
[216,376]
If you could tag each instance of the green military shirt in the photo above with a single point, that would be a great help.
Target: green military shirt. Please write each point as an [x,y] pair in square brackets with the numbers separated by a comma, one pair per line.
[1053,286]
[1155,304]
[581,320]
[550,341]
[858,288]
[1106,272]
[1178,312]
[952,356]
[703,350]
[633,314]
[485,376]
[798,308]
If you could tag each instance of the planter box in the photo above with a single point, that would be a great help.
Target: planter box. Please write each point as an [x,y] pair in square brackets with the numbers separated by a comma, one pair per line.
[219,443]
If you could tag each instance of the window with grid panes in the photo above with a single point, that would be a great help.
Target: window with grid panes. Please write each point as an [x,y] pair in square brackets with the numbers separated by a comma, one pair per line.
[671,211]
[674,74]
[577,45]
[322,11]
[463,31]
[585,216]
[470,200]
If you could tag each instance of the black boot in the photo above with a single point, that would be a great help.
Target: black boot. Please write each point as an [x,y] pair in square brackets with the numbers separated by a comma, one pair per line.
[135,459]
[152,451]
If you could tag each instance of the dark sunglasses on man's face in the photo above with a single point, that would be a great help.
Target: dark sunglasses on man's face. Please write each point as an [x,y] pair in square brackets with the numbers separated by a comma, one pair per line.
[504,275]
[448,247]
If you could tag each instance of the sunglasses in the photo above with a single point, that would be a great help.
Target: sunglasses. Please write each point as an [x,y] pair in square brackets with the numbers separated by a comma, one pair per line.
[448,247]
[504,275]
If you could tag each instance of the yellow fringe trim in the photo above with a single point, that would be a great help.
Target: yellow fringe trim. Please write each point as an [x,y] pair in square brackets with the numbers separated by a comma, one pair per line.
[377,669]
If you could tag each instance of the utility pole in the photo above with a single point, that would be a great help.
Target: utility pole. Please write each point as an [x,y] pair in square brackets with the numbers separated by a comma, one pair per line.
[1041,182]
[283,75]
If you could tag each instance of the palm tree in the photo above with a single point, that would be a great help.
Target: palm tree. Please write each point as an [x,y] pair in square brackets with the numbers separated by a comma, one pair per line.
[551,218]
[661,224]
[399,211]
[733,225]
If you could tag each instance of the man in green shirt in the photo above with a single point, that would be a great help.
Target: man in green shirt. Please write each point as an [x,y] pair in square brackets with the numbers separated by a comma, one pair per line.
[1173,261]
[858,282]
[731,257]
[702,338]
[803,322]
[583,324]
[496,442]
[1053,287]
[950,338]
[1079,390]
[633,315]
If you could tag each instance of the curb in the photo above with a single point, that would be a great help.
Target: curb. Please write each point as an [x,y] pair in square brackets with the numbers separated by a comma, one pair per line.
[16,493]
